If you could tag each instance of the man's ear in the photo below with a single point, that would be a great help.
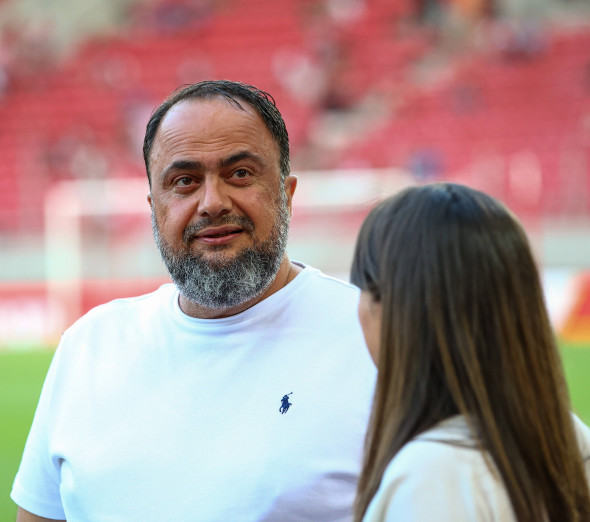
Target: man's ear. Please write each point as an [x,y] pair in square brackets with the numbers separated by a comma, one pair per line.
[290,184]
[149,199]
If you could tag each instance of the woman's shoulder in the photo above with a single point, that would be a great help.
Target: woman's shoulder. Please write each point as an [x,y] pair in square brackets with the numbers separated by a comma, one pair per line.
[441,474]
[583,435]
[442,449]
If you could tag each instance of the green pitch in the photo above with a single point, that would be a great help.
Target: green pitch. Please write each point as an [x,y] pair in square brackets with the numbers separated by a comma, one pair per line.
[21,378]
[576,364]
[22,374]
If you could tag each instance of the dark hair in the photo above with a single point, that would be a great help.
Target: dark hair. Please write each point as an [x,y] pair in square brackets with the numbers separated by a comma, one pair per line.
[465,330]
[234,92]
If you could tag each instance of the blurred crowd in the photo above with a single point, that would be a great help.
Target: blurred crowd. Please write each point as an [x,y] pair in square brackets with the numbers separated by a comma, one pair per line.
[359,82]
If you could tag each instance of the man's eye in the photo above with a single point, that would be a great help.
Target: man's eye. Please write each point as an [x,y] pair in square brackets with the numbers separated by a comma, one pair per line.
[241,174]
[185,181]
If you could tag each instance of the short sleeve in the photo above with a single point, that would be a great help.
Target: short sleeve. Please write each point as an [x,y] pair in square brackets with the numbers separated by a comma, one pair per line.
[37,483]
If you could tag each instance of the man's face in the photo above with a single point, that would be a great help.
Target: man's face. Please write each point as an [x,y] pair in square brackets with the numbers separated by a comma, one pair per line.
[219,209]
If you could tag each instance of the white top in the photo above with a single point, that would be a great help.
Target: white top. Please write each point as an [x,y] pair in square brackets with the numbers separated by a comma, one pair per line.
[148,414]
[440,475]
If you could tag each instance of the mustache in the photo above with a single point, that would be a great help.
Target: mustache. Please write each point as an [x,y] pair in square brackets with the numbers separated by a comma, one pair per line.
[194,228]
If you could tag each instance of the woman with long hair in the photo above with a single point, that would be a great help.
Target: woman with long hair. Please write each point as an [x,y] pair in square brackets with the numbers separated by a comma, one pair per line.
[471,417]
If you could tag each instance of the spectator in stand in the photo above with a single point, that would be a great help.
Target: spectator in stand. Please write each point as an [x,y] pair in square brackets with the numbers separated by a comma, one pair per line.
[471,419]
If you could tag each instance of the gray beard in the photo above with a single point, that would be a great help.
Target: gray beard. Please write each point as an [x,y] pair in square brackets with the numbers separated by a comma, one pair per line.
[219,283]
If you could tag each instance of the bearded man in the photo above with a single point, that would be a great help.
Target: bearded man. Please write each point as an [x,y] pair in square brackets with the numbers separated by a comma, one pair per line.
[168,406]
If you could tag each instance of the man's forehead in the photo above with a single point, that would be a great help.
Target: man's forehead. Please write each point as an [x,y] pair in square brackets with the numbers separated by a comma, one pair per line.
[210,118]
[209,122]
[211,103]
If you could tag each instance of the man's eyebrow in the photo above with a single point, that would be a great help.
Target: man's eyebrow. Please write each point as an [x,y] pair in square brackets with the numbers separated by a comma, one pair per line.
[239,156]
[182,165]
[192,165]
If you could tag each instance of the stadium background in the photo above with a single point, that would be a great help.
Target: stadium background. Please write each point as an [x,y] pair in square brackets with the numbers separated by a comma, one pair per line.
[376,94]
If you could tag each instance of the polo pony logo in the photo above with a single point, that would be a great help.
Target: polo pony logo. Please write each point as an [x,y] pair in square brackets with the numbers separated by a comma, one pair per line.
[285,404]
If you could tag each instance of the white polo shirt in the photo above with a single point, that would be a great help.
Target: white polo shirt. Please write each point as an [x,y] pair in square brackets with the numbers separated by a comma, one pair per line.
[148,414]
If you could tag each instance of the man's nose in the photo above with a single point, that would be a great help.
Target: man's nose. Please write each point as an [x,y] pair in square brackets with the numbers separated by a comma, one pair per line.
[214,198]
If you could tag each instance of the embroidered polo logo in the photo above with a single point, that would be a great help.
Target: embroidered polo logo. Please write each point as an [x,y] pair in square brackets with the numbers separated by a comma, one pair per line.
[285,404]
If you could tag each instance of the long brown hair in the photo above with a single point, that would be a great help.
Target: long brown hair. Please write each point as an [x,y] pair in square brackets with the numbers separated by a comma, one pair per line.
[465,330]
